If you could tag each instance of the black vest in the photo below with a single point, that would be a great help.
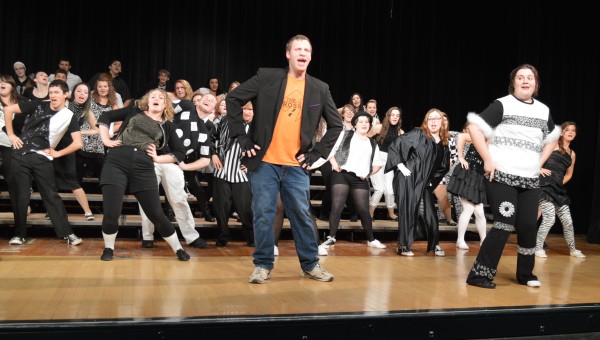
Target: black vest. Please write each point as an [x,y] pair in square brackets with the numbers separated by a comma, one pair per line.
[341,155]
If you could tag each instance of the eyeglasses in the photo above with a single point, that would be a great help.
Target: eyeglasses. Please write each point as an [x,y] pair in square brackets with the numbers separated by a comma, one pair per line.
[434,119]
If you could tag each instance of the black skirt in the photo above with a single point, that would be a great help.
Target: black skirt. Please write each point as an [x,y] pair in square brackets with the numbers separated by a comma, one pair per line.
[468,184]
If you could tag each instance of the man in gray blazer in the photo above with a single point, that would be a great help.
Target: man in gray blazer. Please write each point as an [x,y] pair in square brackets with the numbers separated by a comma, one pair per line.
[278,150]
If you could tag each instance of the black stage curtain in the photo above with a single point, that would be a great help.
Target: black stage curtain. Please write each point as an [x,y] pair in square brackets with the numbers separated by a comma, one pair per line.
[412,54]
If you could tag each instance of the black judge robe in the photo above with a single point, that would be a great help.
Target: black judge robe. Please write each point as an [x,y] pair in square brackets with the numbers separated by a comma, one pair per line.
[428,161]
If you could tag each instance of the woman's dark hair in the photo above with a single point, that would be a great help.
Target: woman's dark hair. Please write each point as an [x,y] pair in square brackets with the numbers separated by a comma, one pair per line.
[385,125]
[14,95]
[361,114]
[513,75]
[563,127]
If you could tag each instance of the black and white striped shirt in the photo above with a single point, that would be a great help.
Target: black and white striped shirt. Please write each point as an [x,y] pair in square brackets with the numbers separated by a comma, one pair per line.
[229,151]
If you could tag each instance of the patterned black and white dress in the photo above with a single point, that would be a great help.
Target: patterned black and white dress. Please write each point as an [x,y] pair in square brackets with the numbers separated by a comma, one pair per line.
[469,183]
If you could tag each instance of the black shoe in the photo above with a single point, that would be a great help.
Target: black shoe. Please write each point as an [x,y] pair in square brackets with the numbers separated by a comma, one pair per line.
[403,250]
[482,283]
[209,218]
[147,244]
[199,243]
[250,243]
[221,243]
[107,254]
[182,255]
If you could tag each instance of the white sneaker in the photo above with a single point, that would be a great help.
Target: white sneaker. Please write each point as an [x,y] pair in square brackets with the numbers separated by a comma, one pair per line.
[17,240]
[276,251]
[330,242]
[376,244]
[407,253]
[540,253]
[259,275]
[577,253]
[73,239]
[439,251]
[462,245]
[534,283]
[318,273]
[404,251]
[322,251]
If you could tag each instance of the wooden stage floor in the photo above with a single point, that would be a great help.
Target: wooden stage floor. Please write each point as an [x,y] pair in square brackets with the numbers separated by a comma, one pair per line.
[51,288]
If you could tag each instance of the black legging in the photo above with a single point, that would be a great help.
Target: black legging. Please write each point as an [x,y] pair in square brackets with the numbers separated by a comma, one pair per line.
[326,201]
[341,184]
[149,201]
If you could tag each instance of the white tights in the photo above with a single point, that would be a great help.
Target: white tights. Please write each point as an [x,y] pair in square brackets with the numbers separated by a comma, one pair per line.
[463,221]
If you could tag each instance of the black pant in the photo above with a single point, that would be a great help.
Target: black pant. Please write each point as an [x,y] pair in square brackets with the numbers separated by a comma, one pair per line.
[195,187]
[226,194]
[6,169]
[33,166]
[148,199]
[514,209]
[131,168]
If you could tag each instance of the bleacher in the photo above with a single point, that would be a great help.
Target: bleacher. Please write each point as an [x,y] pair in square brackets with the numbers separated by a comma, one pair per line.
[131,218]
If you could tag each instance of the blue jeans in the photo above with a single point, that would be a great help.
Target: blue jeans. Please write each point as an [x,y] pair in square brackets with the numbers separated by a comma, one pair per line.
[294,184]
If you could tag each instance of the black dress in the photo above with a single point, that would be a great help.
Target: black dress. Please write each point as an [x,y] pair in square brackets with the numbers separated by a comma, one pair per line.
[425,158]
[469,183]
[552,186]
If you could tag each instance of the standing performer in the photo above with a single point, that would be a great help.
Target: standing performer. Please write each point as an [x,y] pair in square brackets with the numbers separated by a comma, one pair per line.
[467,181]
[288,105]
[557,171]
[420,156]
[130,162]
[522,137]
[45,125]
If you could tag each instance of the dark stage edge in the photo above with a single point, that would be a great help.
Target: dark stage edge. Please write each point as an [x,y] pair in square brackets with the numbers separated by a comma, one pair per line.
[581,321]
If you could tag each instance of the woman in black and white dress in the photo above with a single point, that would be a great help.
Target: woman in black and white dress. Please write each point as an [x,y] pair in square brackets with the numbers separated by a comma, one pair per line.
[467,182]
[556,172]
[383,182]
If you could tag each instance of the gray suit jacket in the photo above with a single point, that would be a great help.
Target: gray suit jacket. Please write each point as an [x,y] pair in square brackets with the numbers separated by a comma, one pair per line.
[266,91]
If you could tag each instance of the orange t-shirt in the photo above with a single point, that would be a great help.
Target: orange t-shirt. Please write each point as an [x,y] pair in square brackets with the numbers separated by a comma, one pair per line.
[286,136]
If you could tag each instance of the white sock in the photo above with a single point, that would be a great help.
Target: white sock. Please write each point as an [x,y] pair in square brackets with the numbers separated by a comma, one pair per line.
[173,241]
[109,240]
